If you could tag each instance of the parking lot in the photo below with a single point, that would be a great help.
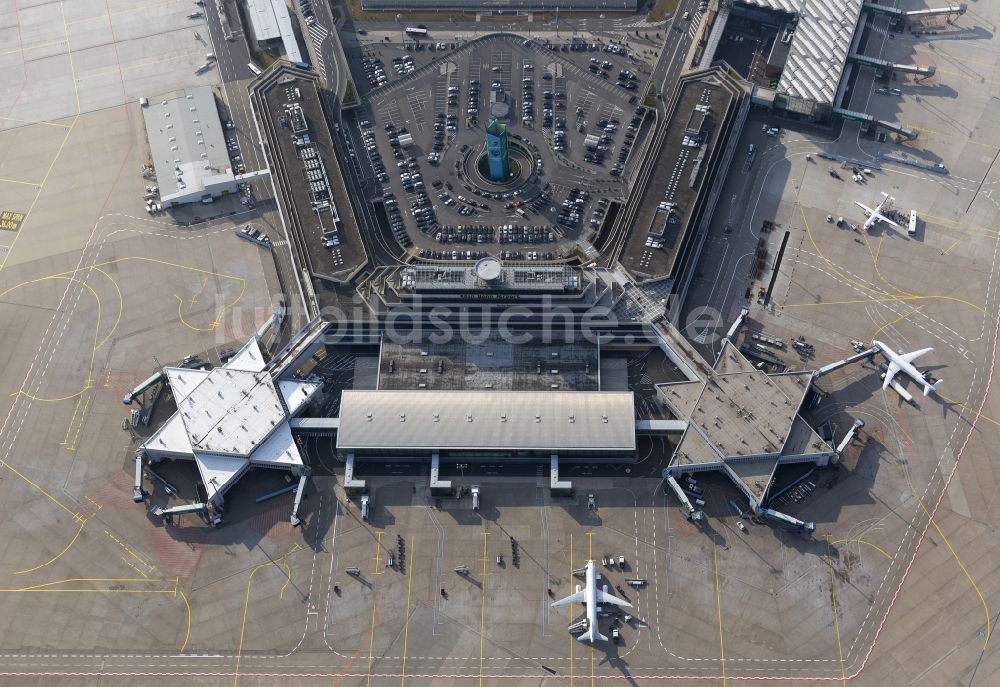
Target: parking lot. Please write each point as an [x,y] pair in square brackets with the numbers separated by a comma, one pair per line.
[570,132]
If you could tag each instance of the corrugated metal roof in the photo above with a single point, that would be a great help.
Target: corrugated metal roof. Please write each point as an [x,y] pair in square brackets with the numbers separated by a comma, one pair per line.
[487,420]
[262,20]
[819,48]
[186,143]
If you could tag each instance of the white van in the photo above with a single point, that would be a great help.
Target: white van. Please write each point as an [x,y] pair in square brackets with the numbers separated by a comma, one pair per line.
[254,68]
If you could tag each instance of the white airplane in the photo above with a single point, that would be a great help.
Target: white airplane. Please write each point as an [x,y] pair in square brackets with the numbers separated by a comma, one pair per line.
[592,596]
[903,362]
[875,215]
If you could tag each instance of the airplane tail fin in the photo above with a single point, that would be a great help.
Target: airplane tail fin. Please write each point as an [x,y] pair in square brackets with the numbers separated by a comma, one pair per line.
[928,388]
[592,635]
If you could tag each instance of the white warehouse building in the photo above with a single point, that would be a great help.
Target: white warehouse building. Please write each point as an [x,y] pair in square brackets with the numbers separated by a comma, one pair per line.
[188,147]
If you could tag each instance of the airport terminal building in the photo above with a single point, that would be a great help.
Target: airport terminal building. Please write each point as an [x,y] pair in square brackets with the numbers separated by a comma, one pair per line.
[525,394]
[501,6]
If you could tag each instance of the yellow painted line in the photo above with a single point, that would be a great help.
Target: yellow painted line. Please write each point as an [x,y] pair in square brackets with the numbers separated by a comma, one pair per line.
[869,289]
[718,611]
[895,321]
[966,77]
[33,121]
[138,7]
[482,612]
[194,296]
[889,299]
[187,633]
[80,421]
[132,565]
[35,46]
[569,610]
[69,56]
[84,590]
[243,626]
[961,405]
[963,227]
[57,556]
[836,613]
[961,565]
[126,548]
[371,635]
[590,557]
[93,353]
[288,580]
[38,195]
[406,626]
[955,243]
[72,419]
[944,134]
[951,58]
[50,497]
[866,543]
[180,316]
[74,580]
[246,607]
[69,131]
[18,181]
[121,305]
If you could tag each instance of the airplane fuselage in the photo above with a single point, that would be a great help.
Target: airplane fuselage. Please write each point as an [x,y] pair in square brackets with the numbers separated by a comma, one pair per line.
[591,600]
[901,363]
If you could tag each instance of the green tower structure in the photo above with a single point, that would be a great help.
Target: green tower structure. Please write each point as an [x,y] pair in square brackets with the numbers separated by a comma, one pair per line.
[496,149]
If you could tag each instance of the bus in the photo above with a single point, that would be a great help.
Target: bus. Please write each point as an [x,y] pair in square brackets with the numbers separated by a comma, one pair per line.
[254,68]
[912,229]
[416,31]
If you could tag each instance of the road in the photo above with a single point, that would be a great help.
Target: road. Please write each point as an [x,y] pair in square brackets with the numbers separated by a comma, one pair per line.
[676,44]
[233,57]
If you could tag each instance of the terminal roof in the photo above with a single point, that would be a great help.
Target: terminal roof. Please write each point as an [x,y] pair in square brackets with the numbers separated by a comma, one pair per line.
[486,420]
[506,277]
[232,418]
[819,47]
[738,412]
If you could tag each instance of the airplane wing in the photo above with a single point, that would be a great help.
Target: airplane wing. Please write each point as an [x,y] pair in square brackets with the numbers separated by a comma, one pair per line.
[910,357]
[868,210]
[889,374]
[605,598]
[577,598]
[882,218]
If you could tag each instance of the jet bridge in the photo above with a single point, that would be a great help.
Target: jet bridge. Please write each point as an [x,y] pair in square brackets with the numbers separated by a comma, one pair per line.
[897,14]
[150,382]
[827,369]
[885,66]
[868,121]
[690,511]
[849,437]
[744,311]
[299,491]
[788,520]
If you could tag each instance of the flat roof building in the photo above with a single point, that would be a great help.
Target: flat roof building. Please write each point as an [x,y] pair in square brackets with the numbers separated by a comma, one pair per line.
[509,423]
[188,147]
[811,50]
[743,422]
[232,418]
[501,5]
[271,21]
